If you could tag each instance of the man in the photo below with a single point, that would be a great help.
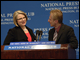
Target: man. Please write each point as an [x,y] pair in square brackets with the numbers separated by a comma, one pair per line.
[61,33]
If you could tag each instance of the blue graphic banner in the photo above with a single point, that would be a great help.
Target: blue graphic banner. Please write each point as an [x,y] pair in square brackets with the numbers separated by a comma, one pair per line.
[22,47]
[38,14]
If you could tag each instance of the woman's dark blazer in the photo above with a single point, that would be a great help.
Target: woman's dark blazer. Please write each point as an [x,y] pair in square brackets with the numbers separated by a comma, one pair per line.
[65,36]
[16,34]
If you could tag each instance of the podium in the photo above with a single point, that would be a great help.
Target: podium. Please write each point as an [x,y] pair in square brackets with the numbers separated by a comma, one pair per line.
[65,52]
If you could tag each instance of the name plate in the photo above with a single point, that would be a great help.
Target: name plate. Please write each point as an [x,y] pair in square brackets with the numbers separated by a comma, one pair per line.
[23,47]
[33,43]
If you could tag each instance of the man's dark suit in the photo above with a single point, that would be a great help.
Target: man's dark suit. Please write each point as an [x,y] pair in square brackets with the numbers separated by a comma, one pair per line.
[16,34]
[65,36]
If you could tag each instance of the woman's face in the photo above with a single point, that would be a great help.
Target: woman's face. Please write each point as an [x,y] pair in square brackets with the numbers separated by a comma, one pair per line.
[21,20]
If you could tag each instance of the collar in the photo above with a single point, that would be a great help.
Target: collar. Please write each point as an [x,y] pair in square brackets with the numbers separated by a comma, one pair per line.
[58,28]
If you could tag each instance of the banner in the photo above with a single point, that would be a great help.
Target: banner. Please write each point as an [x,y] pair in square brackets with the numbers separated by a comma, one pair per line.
[38,14]
[22,47]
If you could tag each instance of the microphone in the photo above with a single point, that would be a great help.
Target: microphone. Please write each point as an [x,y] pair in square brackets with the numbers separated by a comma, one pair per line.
[40,35]
[37,33]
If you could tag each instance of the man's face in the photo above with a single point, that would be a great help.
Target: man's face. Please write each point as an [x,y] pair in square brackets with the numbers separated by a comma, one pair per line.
[51,21]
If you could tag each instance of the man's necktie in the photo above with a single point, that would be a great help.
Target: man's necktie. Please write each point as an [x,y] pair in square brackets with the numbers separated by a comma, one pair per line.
[55,36]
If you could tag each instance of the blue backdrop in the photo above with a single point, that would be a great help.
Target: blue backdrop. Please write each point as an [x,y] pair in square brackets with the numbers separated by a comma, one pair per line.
[38,15]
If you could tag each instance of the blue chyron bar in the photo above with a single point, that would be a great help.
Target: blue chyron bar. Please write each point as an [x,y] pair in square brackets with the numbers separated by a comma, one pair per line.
[23,47]
[33,43]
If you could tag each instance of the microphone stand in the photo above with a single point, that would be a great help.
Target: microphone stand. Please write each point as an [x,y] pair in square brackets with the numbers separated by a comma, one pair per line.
[37,33]
[40,35]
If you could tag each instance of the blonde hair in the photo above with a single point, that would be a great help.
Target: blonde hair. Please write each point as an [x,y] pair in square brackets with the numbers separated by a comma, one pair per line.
[57,15]
[15,16]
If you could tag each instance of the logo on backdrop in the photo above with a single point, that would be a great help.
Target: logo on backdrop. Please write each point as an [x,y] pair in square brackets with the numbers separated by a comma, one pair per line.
[66,7]
[45,32]
[7,18]
[74,22]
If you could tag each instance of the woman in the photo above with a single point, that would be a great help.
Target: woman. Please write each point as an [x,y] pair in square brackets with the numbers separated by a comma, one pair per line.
[20,32]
